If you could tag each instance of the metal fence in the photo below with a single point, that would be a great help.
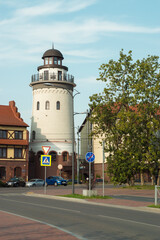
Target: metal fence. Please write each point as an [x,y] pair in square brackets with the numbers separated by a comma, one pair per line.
[52,77]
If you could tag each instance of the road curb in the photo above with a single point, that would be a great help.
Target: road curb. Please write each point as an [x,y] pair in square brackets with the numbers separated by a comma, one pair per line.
[85,201]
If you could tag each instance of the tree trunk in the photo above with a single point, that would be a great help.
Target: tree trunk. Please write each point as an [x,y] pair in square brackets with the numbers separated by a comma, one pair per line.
[132,181]
[152,180]
[142,179]
[158,180]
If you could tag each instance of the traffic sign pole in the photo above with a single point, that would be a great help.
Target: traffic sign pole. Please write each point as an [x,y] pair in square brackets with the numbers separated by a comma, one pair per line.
[90,158]
[45,174]
[89,179]
[45,161]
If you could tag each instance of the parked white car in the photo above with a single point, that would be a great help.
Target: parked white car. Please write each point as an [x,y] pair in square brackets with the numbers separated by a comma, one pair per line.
[35,182]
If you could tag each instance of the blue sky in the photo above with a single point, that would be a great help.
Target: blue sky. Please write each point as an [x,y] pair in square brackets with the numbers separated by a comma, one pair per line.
[87,32]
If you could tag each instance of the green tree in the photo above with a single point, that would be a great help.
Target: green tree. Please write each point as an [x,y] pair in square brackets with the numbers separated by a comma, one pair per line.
[126,115]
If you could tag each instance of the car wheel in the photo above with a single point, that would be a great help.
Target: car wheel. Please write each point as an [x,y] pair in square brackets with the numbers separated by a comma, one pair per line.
[34,185]
[65,184]
[55,184]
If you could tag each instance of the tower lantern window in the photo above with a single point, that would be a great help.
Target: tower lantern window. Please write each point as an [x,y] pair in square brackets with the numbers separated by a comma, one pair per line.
[46,75]
[55,60]
[50,60]
[60,75]
[46,61]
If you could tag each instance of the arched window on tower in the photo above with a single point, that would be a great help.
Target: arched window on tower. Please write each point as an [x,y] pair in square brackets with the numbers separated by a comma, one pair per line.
[47,105]
[38,105]
[58,105]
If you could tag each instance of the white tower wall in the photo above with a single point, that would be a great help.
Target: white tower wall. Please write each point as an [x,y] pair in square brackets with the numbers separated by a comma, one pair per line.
[52,124]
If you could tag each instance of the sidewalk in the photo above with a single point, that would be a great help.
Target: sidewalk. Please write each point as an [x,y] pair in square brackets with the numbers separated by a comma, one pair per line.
[54,191]
[14,227]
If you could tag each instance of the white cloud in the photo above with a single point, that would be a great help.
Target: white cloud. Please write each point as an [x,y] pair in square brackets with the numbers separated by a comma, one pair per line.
[33,36]
[54,7]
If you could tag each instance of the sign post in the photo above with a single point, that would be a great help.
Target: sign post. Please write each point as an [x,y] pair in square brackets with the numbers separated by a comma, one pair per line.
[90,158]
[45,161]
[60,168]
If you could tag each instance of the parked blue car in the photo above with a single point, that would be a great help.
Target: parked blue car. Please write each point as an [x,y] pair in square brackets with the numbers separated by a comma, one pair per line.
[55,180]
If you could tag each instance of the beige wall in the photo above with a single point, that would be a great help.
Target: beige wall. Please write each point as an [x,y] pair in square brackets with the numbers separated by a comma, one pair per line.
[97,147]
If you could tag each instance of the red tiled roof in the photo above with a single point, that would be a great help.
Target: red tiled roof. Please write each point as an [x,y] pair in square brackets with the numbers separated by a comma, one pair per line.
[10,116]
[14,142]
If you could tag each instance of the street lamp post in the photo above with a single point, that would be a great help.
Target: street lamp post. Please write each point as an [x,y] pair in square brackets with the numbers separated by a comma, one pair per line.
[73,139]
[78,158]
[78,146]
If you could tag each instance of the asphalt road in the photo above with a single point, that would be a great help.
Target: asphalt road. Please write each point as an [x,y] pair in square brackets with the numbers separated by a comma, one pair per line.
[86,220]
[134,198]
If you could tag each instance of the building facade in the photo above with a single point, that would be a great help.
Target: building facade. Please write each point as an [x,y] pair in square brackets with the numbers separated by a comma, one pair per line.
[52,116]
[89,143]
[14,143]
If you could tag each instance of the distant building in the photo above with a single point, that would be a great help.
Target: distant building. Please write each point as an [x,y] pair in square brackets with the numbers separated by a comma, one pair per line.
[52,116]
[89,143]
[14,142]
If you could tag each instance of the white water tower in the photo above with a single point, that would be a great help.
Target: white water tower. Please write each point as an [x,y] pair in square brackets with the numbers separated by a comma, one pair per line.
[52,113]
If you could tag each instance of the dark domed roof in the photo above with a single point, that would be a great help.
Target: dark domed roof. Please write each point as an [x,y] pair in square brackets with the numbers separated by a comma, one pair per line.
[52,53]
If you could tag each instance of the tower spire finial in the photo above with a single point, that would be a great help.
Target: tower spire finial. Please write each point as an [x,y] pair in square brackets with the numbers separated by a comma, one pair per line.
[52,45]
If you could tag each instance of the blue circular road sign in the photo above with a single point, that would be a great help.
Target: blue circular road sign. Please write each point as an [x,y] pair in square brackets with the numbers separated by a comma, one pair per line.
[90,157]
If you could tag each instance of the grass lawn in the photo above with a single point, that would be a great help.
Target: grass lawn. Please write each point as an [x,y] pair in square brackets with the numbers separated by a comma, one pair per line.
[154,206]
[85,197]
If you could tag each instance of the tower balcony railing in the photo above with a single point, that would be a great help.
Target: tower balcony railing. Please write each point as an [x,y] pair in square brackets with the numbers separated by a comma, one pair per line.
[52,77]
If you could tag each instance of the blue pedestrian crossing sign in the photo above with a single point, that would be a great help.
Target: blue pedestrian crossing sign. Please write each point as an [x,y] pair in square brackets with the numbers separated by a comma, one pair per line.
[46,160]
[90,157]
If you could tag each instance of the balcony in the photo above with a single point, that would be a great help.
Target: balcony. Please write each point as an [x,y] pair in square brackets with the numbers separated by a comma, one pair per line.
[40,77]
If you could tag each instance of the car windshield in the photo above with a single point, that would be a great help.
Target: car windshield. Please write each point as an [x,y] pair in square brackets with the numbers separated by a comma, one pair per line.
[32,180]
[13,179]
[60,178]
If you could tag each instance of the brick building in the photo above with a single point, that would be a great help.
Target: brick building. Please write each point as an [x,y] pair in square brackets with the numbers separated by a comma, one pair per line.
[14,142]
